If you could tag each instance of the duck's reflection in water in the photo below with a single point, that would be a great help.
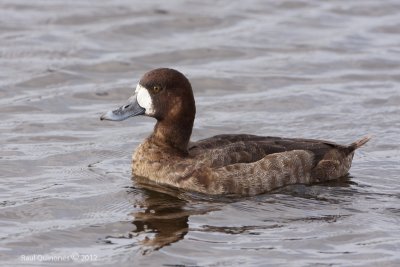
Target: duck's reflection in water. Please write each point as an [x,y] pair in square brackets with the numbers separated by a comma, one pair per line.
[163,215]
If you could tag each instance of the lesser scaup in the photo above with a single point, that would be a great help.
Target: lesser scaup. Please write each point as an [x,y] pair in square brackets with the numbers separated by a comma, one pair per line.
[225,164]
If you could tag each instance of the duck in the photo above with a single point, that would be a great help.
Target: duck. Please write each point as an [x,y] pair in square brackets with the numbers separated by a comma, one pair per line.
[227,164]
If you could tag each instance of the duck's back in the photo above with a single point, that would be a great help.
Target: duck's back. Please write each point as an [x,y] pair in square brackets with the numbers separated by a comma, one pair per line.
[224,150]
[249,164]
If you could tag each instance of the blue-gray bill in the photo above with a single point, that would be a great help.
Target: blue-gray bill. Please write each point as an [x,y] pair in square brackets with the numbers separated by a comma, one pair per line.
[132,108]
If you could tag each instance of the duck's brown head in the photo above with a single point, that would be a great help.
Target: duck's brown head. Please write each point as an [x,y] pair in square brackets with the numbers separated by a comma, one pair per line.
[166,95]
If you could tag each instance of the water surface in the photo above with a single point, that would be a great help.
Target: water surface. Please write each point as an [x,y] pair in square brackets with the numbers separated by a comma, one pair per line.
[312,69]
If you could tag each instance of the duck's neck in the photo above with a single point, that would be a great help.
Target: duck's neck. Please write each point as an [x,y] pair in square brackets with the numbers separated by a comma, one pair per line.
[173,135]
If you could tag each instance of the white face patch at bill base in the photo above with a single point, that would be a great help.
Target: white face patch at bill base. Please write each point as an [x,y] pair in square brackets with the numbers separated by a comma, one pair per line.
[144,99]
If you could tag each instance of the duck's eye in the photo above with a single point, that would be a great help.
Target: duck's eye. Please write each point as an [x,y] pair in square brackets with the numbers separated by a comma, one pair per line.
[156,89]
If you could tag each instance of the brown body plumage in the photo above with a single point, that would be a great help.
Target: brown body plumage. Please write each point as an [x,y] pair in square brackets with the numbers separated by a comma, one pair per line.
[223,164]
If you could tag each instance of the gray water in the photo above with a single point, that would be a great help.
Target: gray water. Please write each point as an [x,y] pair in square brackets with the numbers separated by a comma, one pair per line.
[313,69]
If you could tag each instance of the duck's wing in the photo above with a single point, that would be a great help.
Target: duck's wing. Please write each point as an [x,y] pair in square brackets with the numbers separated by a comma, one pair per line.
[223,150]
[249,165]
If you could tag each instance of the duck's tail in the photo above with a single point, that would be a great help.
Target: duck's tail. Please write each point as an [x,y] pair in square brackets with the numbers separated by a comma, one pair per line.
[359,143]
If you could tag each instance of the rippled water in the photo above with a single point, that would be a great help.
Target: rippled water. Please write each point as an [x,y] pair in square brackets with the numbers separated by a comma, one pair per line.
[314,69]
